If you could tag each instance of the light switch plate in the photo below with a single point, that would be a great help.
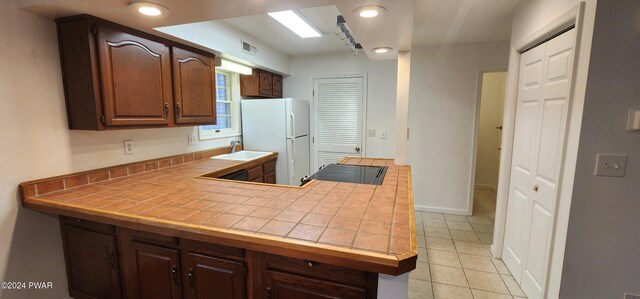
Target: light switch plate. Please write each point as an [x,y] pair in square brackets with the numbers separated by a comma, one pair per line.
[611,165]
[371,133]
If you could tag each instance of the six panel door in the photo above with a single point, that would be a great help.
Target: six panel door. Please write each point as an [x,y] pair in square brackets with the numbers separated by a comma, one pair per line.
[541,121]
[136,79]
[194,85]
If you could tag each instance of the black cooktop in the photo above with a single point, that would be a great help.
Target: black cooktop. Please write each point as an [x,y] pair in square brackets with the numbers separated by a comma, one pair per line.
[351,174]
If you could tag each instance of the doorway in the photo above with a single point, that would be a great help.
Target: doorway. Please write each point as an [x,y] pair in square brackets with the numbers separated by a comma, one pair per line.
[488,142]
[338,119]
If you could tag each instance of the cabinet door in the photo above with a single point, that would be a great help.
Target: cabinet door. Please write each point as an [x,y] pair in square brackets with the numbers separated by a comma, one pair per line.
[266,83]
[136,79]
[209,277]
[270,178]
[92,268]
[156,271]
[194,85]
[277,86]
[282,285]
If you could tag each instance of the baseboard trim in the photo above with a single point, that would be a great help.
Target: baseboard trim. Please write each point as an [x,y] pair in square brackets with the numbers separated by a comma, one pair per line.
[486,187]
[441,210]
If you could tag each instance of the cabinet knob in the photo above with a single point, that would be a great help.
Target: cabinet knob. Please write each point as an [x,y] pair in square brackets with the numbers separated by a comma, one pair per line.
[190,275]
[310,263]
[535,188]
[166,109]
[179,110]
[174,272]
[268,292]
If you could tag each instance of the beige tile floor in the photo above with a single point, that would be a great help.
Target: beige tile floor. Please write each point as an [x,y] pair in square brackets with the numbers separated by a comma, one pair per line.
[454,260]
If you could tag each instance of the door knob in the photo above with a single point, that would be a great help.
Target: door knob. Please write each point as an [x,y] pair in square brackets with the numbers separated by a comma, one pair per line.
[357,149]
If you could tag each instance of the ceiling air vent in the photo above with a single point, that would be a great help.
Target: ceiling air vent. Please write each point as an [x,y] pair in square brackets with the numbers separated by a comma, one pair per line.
[249,48]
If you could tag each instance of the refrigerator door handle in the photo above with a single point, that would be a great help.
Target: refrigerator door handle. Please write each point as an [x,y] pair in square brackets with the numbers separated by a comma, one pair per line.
[293,125]
[293,158]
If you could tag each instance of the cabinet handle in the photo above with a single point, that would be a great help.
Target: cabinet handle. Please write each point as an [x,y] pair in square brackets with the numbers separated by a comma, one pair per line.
[166,109]
[179,110]
[268,292]
[190,275]
[310,263]
[174,272]
[536,188]
[111,260]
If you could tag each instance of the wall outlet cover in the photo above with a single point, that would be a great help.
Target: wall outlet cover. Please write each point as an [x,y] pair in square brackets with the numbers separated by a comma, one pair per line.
[383,134]
[192,140]
[611,165]
[128,147]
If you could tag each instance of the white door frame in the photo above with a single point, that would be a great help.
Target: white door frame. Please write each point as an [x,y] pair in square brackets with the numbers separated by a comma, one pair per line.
[574,16]
[312,128]
[476,128]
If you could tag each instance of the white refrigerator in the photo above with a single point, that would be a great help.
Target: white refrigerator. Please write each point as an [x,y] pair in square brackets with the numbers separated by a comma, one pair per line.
[279,125]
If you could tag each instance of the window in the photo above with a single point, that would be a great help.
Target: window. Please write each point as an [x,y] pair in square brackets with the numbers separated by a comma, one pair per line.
[227,108]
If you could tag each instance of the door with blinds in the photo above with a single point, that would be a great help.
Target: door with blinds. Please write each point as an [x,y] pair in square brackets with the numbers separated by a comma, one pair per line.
[338,105]
[541,120]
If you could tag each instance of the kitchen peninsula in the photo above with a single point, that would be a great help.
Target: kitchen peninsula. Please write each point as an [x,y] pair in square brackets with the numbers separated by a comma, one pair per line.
[168,228]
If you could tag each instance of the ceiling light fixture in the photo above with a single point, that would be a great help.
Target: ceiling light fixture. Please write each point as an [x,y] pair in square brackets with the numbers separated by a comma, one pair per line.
[369,11]
[149,9]
[231,66]
[295,23]
[381,50]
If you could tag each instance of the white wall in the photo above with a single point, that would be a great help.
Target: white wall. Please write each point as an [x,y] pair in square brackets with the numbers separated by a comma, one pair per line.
[35,143]
[219,36]
[487,153]
[381,90]
[601,258]
[442,110]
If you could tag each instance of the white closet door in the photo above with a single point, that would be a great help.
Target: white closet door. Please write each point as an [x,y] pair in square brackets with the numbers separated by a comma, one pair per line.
[541,119]
[338,119]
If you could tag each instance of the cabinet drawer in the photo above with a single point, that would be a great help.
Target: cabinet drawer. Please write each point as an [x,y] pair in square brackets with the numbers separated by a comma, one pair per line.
[88,225]
[270,166]
[215,250]
[254,173]
[317,269]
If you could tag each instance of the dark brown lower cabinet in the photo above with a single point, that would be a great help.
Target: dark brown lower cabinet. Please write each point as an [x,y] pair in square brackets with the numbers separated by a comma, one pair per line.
[214,278]
[92,266]
[104,261]
[282,285]
[156,271]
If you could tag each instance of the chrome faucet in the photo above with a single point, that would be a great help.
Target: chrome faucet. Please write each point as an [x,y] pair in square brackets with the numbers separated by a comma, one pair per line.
[234,143]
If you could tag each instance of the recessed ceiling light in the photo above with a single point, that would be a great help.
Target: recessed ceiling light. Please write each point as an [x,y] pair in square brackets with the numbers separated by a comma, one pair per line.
[369,11]
[149,9]
[381,50]
[295,23]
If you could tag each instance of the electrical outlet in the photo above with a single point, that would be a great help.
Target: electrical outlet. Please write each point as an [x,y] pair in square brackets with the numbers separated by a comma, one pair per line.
[371,133]
[128,147]
[383,134]
[193,140]
[611,165]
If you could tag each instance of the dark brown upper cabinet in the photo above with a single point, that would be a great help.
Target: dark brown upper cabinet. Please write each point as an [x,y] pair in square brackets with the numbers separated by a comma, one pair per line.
[194,84]
[136,79]
[117,77]
[261,84]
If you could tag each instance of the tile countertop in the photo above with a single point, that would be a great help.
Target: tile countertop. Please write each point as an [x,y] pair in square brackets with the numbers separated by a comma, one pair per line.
[368,227]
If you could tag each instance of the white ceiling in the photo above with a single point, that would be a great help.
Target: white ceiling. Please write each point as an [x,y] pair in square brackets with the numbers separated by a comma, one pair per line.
[406,23]
[279,37]
[455,22]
